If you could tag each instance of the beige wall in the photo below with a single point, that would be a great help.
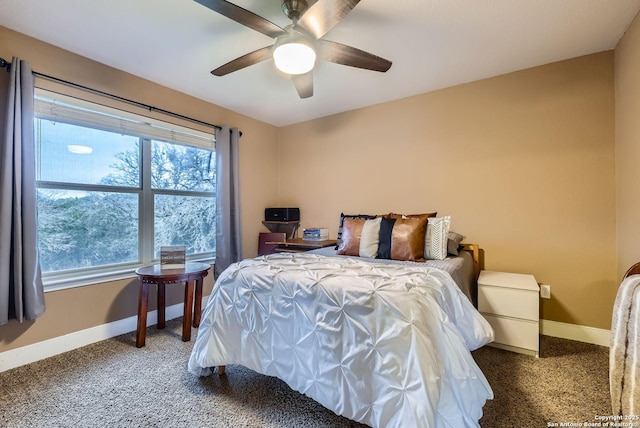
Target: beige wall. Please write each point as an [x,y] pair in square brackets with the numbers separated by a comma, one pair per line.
[523,162]
[627,79]
[80,308]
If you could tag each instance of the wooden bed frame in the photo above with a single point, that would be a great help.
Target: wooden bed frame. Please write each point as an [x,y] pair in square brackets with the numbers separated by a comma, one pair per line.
[474,249]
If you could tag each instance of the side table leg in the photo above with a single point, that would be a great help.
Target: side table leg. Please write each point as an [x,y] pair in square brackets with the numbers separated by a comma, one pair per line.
[197,304]
[143,304]
[188,310]
[161,306]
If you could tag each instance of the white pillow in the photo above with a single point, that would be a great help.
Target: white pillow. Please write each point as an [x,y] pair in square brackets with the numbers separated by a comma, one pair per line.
[370,238]
[435,241]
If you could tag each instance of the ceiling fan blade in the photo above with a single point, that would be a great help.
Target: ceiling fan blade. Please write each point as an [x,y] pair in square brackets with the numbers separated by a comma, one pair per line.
[303,84]
[244,61]
[244,17]
[353,57]
[324,15]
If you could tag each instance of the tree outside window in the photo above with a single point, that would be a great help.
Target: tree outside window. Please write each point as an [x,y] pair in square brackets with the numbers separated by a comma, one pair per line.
[106,198]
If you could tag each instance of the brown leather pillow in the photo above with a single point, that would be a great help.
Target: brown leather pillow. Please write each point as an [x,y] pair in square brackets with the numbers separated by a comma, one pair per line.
[340,225]
[407,238]
[351,233]
[420,216]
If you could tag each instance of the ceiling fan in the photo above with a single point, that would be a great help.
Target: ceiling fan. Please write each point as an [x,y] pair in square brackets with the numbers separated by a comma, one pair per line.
[298,45]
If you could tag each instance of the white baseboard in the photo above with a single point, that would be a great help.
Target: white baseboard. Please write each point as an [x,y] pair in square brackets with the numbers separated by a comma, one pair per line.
[48,348]
[581,333]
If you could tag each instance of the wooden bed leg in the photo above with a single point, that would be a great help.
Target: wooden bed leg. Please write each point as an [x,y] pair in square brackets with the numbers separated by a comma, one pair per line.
[221,370]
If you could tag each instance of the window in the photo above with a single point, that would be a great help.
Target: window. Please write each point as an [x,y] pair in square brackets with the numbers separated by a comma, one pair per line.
[113,187]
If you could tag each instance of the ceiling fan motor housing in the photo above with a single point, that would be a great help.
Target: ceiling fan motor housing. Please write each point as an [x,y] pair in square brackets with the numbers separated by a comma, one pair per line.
[294,8]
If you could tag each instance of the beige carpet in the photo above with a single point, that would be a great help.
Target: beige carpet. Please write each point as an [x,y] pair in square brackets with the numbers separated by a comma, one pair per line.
[115,384]
[569,383]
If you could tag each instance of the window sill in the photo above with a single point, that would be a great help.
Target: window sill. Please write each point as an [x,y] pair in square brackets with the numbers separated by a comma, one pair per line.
[82,280]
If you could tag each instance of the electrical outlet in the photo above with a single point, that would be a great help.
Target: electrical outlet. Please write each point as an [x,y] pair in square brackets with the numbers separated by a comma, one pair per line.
[545,291]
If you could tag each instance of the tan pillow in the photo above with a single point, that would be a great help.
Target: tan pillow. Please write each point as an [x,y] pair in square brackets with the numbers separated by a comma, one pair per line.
[351,234]
[407,238]
[370,238]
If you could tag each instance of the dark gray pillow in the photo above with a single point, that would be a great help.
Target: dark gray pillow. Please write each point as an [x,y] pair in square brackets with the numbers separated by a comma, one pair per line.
[453,243]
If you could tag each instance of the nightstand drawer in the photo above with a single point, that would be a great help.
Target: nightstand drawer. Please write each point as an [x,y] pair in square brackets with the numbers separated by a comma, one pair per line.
[508,302]
[515,332]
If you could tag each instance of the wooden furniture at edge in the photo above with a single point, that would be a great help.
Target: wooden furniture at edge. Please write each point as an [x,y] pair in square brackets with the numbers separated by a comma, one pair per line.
[299,245]
[633,270]
[192,276]
[268,242]
[290,244]
[510,303]
[288,227]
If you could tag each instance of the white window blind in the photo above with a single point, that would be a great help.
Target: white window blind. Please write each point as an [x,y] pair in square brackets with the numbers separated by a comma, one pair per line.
[60,108]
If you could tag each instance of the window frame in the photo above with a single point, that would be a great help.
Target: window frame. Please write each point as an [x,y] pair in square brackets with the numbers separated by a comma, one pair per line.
[146,129]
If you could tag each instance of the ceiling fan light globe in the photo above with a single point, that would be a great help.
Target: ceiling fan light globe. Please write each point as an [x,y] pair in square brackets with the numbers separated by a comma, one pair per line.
[294,58]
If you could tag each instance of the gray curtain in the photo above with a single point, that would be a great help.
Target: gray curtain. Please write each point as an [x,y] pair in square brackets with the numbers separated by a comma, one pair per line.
[21,291]
[228,221]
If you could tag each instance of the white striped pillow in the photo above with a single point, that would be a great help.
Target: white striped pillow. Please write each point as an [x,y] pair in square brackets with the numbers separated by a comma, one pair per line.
[435,242]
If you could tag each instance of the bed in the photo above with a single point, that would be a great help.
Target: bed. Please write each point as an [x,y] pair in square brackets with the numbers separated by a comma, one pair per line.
[464,267]
[382,342]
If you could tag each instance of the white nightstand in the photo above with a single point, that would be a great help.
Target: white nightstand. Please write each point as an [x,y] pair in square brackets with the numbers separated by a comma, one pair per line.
[510,303]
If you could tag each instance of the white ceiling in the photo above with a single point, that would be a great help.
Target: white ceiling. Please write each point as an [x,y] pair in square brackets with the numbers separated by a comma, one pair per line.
[433,44]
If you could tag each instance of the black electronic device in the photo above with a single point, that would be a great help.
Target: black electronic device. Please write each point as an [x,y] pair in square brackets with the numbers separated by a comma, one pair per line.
[282,214]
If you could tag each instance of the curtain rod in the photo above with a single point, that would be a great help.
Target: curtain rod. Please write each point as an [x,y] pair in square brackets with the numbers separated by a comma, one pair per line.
[5,64]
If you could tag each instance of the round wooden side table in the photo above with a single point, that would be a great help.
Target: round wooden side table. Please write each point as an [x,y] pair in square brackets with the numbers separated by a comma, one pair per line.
[192,276]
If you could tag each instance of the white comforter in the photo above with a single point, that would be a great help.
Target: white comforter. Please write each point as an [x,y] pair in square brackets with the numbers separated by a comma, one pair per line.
[385,345]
